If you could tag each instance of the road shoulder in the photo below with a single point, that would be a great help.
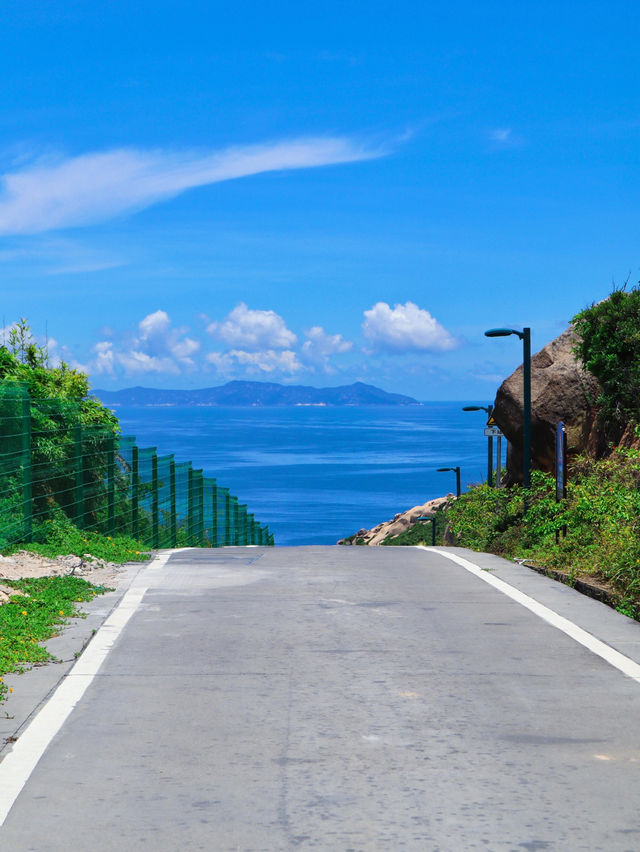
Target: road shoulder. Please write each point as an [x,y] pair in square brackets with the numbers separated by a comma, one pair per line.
[32,689]
[611,627]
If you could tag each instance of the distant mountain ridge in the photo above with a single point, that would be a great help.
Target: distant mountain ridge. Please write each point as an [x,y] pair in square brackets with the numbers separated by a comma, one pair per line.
[256,394]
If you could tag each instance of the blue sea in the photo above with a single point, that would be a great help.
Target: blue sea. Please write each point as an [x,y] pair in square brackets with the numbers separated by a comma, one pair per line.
[316,474]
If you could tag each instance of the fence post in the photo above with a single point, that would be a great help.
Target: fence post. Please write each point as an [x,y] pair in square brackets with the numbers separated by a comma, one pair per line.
[241,520]
[135,492]
[154,500]
[27,471]
[200,508]
[227,517]
[235,511]
[214,514]
[111,485]
[172,498]
[78,491]
[190,521]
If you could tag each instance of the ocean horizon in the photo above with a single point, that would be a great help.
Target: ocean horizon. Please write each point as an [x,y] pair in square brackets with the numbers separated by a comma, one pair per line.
[318,473]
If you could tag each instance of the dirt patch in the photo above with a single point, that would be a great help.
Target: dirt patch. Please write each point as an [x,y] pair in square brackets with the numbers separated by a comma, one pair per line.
[26,564]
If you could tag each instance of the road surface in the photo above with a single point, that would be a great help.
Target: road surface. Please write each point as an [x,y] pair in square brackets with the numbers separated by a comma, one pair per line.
[337,698]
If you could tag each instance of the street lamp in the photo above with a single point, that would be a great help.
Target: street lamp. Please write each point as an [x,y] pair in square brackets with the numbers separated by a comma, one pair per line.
[525,337]
[488,409]
[456,470]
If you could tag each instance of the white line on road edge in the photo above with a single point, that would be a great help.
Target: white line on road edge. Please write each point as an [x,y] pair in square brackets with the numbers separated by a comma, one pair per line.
[18,765]
[625,664]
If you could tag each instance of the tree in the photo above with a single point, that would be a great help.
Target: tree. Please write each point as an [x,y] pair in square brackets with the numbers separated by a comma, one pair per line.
[609,347]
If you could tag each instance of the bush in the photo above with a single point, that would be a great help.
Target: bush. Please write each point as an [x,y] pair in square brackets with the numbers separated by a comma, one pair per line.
[609,347]
[601,515]
[57,536]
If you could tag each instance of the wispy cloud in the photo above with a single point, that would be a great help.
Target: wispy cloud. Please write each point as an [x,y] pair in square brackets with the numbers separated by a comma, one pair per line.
[501,134]
[54,193]
[59,256]
[504,137]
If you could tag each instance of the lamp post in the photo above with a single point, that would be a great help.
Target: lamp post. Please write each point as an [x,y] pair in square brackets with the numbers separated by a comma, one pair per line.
[456,470]
[525,337]
[488,409]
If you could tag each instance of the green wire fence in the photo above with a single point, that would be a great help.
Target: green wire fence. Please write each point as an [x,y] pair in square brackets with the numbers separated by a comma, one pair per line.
[51,461]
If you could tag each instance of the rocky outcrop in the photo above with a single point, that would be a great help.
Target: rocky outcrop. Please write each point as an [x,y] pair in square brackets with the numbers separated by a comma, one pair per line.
[398,524]
[561,389]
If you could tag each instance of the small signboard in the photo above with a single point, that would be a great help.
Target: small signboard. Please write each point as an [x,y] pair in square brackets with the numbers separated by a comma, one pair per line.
[492,432]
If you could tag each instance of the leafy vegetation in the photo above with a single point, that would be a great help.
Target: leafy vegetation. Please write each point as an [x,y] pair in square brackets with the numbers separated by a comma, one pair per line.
[601,516]
[609,347]
[57,536]
[30,618]
[41,406]
[418,533]
[23,360]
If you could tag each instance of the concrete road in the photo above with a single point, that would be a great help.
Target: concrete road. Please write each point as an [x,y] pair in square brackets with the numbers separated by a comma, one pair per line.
[340,699]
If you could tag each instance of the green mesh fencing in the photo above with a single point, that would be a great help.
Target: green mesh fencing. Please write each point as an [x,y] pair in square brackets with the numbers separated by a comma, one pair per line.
[51,462]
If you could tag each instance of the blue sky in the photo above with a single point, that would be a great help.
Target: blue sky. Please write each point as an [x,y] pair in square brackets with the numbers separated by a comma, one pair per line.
[314,193]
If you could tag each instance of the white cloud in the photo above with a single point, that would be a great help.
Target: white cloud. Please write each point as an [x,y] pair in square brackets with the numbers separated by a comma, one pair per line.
[185,348]
[153,324]
[156,347]
[320,347]
[253,330]
[61,193]
[405,328]
[255,363]
[135,361]
[58,353]
[103,358]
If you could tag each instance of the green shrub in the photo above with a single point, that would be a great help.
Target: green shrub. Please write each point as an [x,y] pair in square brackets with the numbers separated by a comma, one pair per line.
[57,536]
[609,347]
[601,515]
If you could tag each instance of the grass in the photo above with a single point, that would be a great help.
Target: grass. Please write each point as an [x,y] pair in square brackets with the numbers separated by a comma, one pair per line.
[601,516]
[25,622]
[418,533]
[59,537]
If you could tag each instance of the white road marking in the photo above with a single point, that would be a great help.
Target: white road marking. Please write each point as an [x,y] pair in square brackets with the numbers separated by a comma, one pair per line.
[621,662]
[20,762]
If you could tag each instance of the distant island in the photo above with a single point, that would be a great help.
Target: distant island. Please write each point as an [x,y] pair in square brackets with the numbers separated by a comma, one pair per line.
[256,394]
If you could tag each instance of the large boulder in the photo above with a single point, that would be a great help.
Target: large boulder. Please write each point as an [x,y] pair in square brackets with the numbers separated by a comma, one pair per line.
[398,524]
[561,389]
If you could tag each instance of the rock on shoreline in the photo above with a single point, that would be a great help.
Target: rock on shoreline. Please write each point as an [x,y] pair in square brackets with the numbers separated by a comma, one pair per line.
[398,524]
